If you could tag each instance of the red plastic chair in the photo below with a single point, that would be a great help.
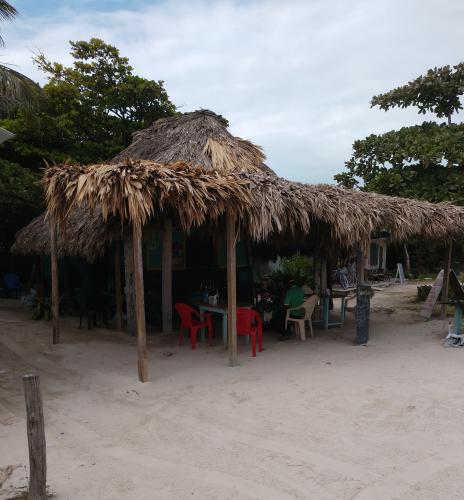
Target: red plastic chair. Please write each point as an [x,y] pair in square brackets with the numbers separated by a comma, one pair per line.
[249,323]
[193,321]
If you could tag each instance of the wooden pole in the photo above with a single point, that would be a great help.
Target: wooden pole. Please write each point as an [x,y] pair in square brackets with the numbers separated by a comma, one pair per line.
[363,302]
[166,278]
[231,289]
[323,275]
[35,438]
[444,297]
[55,289]
[360,262]
[140,306]
[129,275]
[117,284]
[407,259]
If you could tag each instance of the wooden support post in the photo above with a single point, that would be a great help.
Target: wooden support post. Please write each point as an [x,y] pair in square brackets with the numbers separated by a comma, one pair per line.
[140,305]
[325,299]
[117,285]
[231,289]
[444,295]
[360,262]
[35,438]
[129,275]
[55,288]
[166,278]
[316,269]
[323,275]
[363,302]
[384,257]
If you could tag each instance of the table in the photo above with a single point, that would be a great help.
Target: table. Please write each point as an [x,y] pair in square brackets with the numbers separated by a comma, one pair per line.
[222,310]
[337,293]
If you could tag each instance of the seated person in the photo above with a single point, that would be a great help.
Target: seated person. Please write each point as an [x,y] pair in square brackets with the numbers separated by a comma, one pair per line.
[293,298]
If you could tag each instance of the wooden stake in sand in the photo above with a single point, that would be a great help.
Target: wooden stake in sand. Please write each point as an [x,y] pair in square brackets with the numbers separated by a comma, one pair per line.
[36,438]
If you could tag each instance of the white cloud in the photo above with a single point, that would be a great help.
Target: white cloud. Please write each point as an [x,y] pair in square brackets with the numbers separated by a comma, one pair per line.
[295,77]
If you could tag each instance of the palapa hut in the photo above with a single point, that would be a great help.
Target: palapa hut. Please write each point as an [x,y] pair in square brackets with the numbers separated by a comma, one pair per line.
[190,169]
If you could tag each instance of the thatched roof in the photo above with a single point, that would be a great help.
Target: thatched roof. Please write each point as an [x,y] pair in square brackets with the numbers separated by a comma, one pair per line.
[136,191]
[198,138]
[85,234]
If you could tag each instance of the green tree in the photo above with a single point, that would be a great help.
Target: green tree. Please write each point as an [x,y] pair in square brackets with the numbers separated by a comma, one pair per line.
[438,91]
[422,161]
[88,113]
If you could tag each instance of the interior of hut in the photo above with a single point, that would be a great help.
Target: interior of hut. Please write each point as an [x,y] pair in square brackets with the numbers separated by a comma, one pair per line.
[199,276]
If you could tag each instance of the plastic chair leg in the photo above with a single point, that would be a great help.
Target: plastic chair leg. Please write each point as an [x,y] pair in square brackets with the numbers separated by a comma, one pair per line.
[253,344]
[311,328]
[193,337]
[210,331]
[301,327]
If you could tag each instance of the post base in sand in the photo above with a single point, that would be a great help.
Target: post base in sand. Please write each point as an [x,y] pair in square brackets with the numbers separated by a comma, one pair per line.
[143,369]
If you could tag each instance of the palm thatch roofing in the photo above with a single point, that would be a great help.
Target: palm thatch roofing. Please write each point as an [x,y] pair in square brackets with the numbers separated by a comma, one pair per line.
[193,169]
[85,234]
[135,192]
[199,138]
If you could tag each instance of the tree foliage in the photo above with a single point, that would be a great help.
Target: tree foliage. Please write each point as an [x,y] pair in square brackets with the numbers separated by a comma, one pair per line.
[422,161]
[16,89]
[438,91]
[88,113]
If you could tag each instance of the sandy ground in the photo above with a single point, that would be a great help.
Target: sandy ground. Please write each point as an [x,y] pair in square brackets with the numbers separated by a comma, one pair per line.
[323,419]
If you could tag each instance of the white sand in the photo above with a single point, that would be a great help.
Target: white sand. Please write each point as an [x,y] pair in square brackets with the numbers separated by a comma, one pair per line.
[319,420]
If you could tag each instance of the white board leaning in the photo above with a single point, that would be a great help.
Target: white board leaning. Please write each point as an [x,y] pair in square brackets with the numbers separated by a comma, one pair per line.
[432,297]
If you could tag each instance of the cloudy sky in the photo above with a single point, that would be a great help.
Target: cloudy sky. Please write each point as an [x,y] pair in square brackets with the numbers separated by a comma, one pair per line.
[293,76]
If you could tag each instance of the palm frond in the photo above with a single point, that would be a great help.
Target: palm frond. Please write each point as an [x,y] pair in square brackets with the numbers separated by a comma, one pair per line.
[7,13]
[17,90]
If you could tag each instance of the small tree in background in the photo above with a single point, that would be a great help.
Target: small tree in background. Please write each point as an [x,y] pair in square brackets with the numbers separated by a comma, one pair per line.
[422,161]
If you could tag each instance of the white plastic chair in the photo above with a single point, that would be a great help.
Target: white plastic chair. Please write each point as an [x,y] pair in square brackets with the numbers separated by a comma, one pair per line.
[308,305]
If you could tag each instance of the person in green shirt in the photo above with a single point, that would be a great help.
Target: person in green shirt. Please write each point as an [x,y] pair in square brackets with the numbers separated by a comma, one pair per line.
[294,298]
